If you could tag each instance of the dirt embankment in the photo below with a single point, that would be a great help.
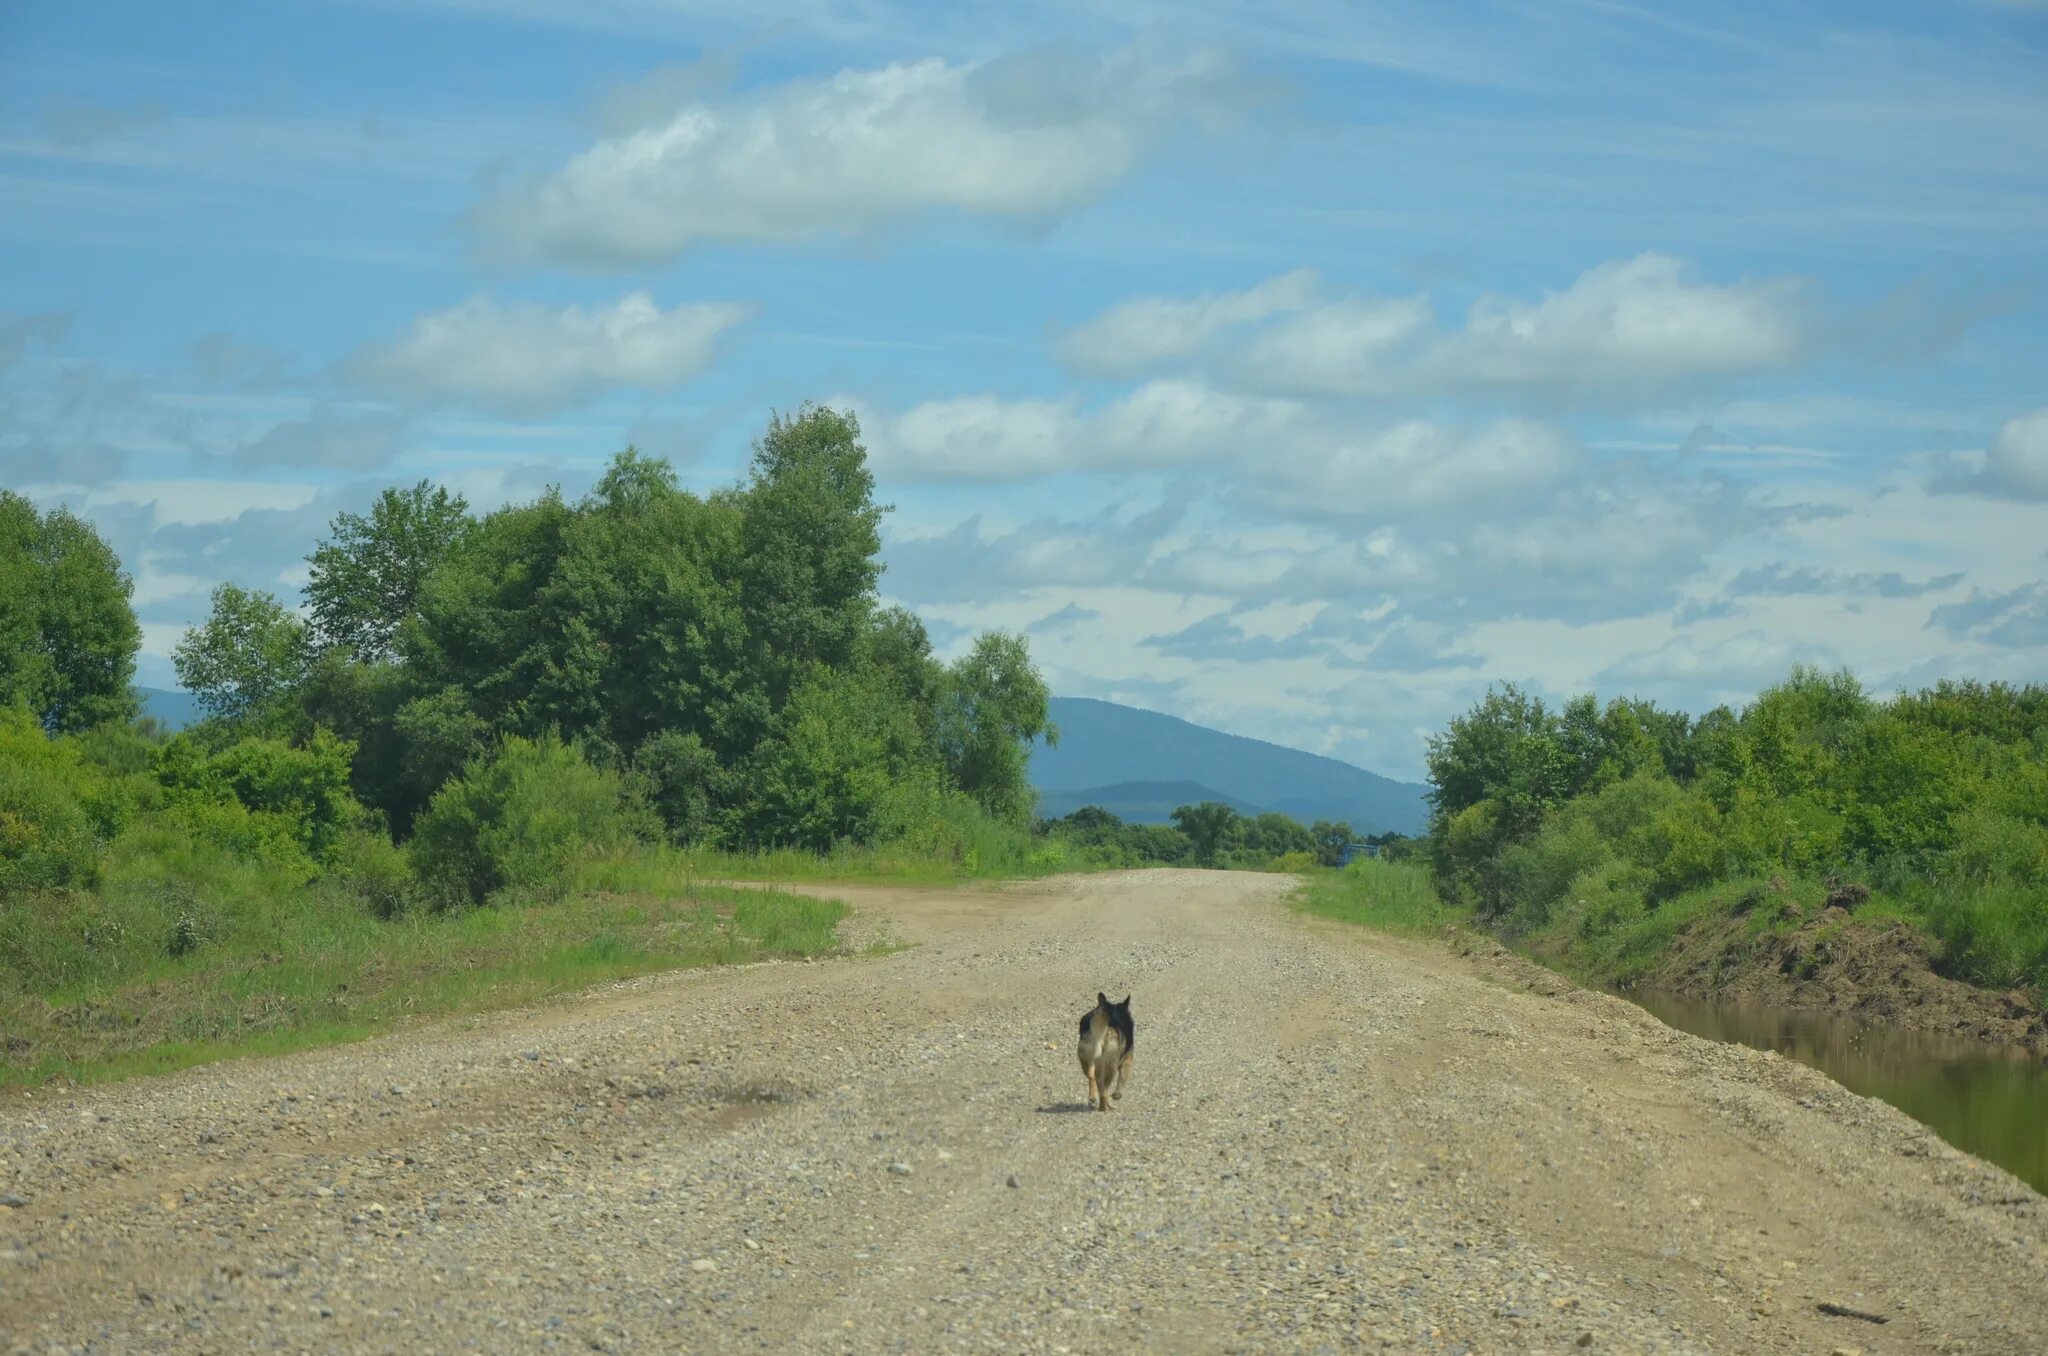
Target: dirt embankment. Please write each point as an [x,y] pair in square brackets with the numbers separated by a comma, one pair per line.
[1333,1140]
[1876,970]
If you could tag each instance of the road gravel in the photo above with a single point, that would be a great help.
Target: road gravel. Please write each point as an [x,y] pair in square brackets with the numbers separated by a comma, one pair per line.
[1332,1141]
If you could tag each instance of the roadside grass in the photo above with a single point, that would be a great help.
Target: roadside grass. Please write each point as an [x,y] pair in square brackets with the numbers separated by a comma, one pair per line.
[1396,897]
[96,987]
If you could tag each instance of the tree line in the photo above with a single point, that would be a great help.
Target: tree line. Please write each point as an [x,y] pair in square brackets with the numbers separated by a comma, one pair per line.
[1590,818]
[466,701]
[1213,834]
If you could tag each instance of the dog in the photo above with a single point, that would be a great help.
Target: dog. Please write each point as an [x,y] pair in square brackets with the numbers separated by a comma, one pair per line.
[1108,1036]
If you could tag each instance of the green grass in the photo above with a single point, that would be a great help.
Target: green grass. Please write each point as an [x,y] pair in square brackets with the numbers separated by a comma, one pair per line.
[279,966]
[1397,897]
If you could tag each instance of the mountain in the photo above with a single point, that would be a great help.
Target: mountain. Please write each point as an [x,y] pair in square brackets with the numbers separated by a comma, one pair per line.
[175,708]
[1106,748]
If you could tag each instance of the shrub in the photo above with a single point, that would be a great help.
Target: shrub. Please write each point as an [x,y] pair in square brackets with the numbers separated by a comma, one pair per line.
[521,815]
[47,837]
[374,871]
[680,773]
[302,792]
[1293,861]
[1537,874]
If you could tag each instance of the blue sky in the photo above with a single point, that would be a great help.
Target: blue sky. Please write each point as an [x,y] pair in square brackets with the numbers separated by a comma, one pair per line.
[1298,367]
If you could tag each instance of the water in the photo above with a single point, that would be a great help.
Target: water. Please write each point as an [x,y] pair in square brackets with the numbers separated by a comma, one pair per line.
[1984,1099]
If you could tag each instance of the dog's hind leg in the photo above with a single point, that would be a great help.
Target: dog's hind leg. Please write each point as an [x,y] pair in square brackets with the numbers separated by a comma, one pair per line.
[1123,1075]
[1088,1071]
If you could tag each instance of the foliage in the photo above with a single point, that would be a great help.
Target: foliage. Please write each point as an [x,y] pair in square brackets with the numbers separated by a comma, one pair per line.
[520,816]
[366,576]
[992,704]
[250,652]
[1212,829]
[67,634]
[1611,822]
[47,838]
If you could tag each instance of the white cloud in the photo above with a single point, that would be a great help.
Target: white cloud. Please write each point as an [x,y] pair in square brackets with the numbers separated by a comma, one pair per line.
[1345,346]
[1414,465]
[1158,425]
[521,358]
[1628,328]
[1027,138]
[1636,323]
[2014,467]
[1145,331]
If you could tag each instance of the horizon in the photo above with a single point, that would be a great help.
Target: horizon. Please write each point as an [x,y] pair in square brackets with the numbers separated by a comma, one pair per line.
[1297,373]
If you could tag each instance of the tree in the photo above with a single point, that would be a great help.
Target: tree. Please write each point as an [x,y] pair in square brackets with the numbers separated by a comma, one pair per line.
[366,577]
[810,540]
[993,704]
[68,636]
[1331,840]
[1211,828]
[1507,750]
[250,651]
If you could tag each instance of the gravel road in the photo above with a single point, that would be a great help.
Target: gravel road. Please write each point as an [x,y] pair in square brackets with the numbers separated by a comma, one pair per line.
[1331,1141]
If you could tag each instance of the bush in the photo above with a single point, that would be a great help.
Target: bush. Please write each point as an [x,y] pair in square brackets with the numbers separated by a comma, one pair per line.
[1293,862]
[521,815]
[374,872]
[47,837]
[680,773]
[302,792]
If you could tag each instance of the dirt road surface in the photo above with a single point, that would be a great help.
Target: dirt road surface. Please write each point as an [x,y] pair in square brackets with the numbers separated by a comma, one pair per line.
[1332,1141]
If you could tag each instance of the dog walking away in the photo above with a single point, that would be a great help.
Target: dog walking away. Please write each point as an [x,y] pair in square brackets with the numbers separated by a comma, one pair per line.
[1107,1037]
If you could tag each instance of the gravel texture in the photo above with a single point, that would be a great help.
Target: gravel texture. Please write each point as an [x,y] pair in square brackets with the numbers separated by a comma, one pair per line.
[1331,1141]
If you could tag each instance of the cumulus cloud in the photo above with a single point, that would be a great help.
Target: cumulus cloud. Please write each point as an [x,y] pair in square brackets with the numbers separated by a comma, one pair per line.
[1628,328]
[1160,424]
[1295,457]
[2014,467]
[969,563]
[523,358]
[1415,464]
[1139,334]
[1026,138]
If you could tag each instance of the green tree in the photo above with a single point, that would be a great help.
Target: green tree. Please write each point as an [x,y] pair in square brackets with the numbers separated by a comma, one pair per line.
[249,652]
[682,780]
[810,538]
[1507,750]
[839,749]
[68,636]
[1331,839]
[993,704]
[367,575]
[1212,828]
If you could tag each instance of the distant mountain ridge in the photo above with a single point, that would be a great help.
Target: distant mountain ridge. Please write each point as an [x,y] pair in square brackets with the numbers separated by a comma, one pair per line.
[1114,753]
[176,709]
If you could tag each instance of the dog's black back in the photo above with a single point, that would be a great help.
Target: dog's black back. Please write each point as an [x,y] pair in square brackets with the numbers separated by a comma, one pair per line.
[1119,1018]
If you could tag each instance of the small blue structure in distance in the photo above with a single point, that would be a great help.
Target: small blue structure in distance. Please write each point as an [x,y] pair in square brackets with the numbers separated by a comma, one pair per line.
[1353,851]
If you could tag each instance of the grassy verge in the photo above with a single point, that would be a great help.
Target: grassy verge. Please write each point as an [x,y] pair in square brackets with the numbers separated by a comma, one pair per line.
[112,991]
[1396,897]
